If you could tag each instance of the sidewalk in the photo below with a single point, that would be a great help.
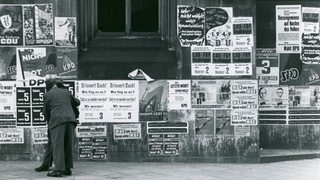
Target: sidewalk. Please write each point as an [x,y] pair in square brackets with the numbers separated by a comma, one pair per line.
[285,170]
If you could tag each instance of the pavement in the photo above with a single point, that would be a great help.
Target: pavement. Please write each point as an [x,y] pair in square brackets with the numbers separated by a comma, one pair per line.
[307,169]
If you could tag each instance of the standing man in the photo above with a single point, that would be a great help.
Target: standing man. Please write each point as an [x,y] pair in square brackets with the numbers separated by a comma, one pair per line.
[61,119]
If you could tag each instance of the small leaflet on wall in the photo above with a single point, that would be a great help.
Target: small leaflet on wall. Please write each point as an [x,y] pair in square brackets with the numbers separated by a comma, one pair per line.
[123,101]
[38,24]
[223,123]
[99,148]
[244,102]
[94,100]
[65,31]
[310,42]
[288,18]
[163,144]
[201,64]
[190,25]
[304,105]
[29,102]
[267,66]
[11,33]
[241,131]
[273,104]
[179,94]
[85,147]
[67,63]
[218,26]
[242,61]
[210,93]
[167,127]
[127,131]
[153,98]
[7,103]
[39,135]
[242,31]
[91,131]
[11,136]
[8,63]
[204,122]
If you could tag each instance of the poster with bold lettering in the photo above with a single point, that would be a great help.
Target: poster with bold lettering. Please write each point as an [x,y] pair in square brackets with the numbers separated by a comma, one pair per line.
[67,63]
[65,31]
[310,42]
[179,94]
[93,96]
[38,24]
[11,33]
[31,63]
[218,26]
[7,103]
[242,60]
[127,131]
[8,63]
[11,135]
[222,61]
[267,66]
[201,64]
[190,25]
[242,31]
[39,135]
[123,101]
[288,19]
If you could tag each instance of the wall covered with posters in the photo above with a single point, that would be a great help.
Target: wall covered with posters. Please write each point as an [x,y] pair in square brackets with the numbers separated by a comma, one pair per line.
[233,97]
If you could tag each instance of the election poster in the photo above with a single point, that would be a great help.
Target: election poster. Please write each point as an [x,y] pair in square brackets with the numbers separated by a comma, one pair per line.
[8,104]
[210,94]
[242,31]
[267,66]
[163,144]
[190,25]
[304,105]
[91,131]
[65,31]
[38,24]
[222,61]
[11,33]
[93,96]
[223,125]
[127,131]
[122,101]
[11,135]
[310,42]
[99,148]
[85,148]
[179,95]
[204,122]
[31,63]
[153,100]
[201,64]
[39,135]
[244,102]
[273,104]
[8,63]
[67,63]
[242,61]
[288,19]
[218,26]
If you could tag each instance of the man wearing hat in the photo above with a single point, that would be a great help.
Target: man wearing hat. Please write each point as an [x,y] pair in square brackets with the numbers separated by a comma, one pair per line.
[59,114]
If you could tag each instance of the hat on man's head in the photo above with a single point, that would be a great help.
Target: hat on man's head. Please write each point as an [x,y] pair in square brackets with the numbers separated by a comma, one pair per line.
[50,83]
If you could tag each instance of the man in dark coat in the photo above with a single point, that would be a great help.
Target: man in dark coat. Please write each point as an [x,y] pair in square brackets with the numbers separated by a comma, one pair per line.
[58,111]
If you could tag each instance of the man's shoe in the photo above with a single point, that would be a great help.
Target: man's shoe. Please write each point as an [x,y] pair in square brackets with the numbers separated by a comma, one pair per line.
[41,168]
[67,172]
[55,174]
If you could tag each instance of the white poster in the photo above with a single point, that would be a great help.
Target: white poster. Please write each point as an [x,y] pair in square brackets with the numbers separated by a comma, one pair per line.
[127,131]
[91,131]
[179,94]
[288,24]
[11,135]
[242,31]
[201,64]
[65,31]
[40,135]
[123,101]
[93,96]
